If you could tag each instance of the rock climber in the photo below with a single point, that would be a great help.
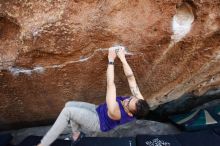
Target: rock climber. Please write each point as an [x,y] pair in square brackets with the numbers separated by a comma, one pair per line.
[117,110]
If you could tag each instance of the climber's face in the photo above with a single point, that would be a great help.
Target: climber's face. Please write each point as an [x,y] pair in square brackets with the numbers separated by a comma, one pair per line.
[130,104]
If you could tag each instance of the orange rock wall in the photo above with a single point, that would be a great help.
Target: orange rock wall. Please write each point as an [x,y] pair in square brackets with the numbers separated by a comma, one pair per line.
[53,51]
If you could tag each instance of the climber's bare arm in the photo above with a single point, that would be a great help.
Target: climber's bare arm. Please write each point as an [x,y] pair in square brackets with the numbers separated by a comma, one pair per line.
[113,107]
[129,74]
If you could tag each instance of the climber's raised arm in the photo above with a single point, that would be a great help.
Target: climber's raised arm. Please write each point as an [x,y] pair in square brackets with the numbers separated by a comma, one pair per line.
[113,107]
[129,74]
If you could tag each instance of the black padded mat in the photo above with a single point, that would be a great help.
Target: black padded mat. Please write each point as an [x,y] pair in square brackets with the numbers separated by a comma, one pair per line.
[210,137]
[107,141]
[86,141]
[5,139]
[34,140]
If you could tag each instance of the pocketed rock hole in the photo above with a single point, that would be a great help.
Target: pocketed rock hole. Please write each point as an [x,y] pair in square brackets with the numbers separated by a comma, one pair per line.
[182,22]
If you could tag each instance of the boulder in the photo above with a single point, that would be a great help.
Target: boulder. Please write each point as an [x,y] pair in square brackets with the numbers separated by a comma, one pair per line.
[53,51]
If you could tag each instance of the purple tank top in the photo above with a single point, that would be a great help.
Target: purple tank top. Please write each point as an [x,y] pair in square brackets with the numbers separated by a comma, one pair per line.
[107,123]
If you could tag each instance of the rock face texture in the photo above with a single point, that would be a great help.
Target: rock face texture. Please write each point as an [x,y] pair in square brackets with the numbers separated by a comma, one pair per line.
[53,51]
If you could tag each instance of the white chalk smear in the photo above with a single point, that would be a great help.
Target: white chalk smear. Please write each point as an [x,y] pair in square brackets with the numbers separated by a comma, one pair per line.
[180,30]
[18,70]
[182,22]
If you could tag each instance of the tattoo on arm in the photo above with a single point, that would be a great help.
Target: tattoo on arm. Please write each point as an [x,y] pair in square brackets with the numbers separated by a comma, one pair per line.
[135,91]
